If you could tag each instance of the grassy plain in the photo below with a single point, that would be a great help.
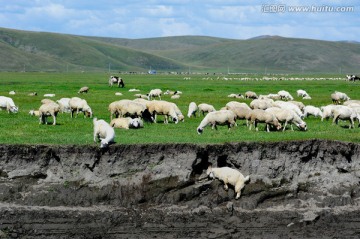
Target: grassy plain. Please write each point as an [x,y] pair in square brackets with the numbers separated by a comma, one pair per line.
[21,128]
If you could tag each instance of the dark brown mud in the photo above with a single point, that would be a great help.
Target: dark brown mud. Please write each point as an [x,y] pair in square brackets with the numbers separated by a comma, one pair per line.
[297,189]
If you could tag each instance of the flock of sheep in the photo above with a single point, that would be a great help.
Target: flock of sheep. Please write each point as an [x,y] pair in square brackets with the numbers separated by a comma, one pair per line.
[276,111]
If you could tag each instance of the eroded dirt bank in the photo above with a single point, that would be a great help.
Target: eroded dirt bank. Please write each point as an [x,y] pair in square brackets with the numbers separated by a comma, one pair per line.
[300,189]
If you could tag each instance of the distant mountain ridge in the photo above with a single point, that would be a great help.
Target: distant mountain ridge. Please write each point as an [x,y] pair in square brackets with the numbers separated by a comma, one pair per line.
[41,51]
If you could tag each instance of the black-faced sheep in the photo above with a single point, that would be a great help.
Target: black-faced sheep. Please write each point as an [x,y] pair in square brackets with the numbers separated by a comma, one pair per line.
[104,132]
[229,176]
[50,109]
[221,117]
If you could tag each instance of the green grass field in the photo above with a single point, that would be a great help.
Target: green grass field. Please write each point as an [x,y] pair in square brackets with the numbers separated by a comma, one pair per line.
[21,128]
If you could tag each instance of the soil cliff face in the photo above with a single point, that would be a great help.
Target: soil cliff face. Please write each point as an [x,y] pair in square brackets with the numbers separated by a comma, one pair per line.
[297,189]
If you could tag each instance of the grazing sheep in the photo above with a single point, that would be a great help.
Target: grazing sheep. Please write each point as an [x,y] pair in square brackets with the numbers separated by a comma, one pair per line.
[175,97]
[237,96]
[34,113]
[8,104]
[84,89]
[290,106]
[205,108]
[274,96]
[192,109]
[307,97]
[134,90]
[287,117]
[327,111]
[342,96]
[262,104]
[32,94]
[126,123]
[104,132]
[50,109]
[221,117]
[12,92]
[229,176]
[142,101]
[116,80]
[335,98]
[64,105]
[154,93]
[285,95]
[141,96]
[47,101]
[178,112]
[312,110]
[49,95]
[241,110]
[298,103]
[169,92]
[161,107]
[129,108]
[261,116]
[250,95]
[352,102]
[118,93]
[303,94]
[345,113]
[79,105]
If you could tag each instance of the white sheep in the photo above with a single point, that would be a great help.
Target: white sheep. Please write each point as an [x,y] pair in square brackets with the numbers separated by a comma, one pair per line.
[261,116]
[32,94]
[229,176]
[221,117]
[47,101]
[129,108]
[312,110]
[237,96]
[34,113]
[64,105]
[262,104]
[302,93]
[327,111]
[205,108]
[285,95]
[241,110]
[141,96]
[342,96]
[126,123]
[118,93]
[192,109]
[290,106]
[12,92]
[287,117]
[345,113]
[50,109]
[335,98]
[79,105]
[250,95]
[352,102]
[104,132]
[8,104]
[161,107]
[49,95]
[84,89]
[169,92]
[298,103]
[154,93]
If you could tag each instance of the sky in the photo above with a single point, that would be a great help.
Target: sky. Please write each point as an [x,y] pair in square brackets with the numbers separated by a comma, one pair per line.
[332,20]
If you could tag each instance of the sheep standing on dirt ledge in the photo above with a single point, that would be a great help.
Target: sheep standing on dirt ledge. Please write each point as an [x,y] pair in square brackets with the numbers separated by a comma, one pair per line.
[221,117]
[104,132]
[229,176]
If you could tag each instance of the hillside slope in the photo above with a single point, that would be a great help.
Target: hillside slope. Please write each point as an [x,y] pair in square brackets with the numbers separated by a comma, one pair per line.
[40,51]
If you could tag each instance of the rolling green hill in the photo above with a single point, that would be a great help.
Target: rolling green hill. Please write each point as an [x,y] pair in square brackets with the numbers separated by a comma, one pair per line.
[40,51]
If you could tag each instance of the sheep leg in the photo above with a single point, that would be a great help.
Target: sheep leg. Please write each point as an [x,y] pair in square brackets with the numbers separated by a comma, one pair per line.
[238,188]
[267,127]
[351,123]
[54,120]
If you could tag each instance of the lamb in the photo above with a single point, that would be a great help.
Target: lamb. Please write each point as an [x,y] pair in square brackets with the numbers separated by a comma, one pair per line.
[8,104]
[312,110]
[34,113]
[77,104]
[50,109]
[84,89]
[160,107]
[221,117]
[261,116]
[64,105]
[126,123]
[104,132]
[261,104]
[229,176]
[154,93]
[285,95]
[345,113]
[192,109]
[205,108]
[250,95]
[287,117]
